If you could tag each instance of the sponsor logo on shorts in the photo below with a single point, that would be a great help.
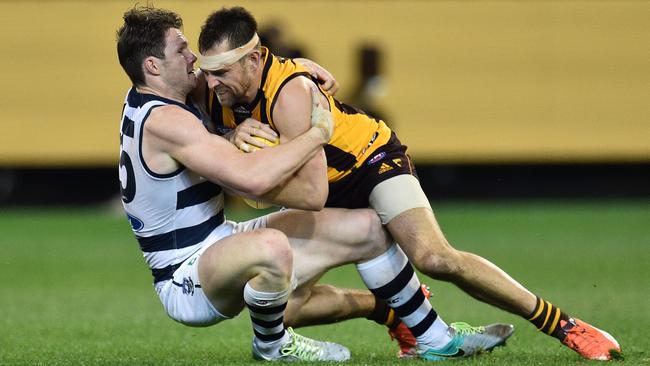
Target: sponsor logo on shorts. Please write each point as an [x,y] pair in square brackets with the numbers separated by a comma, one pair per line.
[376,158]
[398,162]
[191,262]
[188,286]
[384,168]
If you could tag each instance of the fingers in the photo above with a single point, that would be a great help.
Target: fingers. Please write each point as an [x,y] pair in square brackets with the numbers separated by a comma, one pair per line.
[326,81]
[251,134]
[256,128]
[330,86]
[244,147]
[324,77]
[249,143]
[264,133]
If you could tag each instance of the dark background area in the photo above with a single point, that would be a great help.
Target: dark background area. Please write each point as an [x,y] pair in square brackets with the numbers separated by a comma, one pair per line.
[90,186]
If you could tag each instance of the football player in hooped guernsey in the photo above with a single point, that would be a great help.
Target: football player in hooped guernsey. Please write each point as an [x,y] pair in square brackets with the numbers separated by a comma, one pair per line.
[207,269]
[363,165]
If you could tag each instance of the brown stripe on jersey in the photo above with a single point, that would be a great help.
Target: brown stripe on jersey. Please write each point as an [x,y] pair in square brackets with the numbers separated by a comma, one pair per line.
[267,65]
[339,159]
[348,109]
[208,97]
[263,115]
[216,112]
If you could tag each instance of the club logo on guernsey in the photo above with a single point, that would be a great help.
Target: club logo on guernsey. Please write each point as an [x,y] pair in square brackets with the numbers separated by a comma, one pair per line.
[136,223]
[241,109]
[188,286]
[222,130]
[376,158]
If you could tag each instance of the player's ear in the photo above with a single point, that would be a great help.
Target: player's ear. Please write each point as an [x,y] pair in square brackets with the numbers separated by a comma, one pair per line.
[151,65]
[254,57]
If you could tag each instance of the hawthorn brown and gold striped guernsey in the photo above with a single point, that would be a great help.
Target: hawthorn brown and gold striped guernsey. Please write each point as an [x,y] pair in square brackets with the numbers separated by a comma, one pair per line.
[357,136]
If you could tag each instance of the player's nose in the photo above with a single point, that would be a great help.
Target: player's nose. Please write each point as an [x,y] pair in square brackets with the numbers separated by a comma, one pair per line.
[213,81]
[192,59]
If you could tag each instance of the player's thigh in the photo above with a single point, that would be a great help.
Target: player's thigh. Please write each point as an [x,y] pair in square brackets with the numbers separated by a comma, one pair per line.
[407,214]
[226,266]
[394,196]
[183,299]
[330,238]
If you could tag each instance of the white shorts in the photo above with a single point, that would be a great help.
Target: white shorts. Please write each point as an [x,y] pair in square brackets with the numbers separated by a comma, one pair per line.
[182,296]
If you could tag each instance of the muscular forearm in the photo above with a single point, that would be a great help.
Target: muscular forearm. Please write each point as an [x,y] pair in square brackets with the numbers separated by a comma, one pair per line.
[284,164]
[302,191]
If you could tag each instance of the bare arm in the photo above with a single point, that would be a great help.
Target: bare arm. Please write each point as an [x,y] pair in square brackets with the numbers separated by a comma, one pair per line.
[308,188]
[175,137]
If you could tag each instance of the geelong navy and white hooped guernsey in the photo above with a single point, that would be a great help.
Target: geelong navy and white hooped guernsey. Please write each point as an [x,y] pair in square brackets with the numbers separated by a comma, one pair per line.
[172,215]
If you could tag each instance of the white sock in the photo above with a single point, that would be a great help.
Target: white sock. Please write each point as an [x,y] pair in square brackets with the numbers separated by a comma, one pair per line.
[391,278]
[267,315]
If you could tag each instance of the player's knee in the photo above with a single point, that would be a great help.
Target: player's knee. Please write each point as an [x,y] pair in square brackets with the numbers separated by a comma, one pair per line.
[377,240]
[275,251]
[443,265]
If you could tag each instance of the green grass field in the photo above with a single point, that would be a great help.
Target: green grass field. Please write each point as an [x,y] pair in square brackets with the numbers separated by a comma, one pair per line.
[75,290]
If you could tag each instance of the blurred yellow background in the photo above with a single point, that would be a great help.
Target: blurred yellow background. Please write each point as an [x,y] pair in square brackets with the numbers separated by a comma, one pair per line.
[479,81]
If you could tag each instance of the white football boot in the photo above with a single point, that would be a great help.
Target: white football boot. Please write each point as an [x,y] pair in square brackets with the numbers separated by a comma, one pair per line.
[301,348]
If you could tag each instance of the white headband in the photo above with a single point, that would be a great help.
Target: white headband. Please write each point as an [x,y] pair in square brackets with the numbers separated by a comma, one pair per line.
[216,62]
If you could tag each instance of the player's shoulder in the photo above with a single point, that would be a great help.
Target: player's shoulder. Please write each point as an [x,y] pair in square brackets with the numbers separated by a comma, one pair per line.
[169,119]
[294,98]
[298,87]
[172,108]
[171,112]
[282,72]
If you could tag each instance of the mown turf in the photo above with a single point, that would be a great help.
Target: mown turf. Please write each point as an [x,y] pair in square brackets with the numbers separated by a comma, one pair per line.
[75,290]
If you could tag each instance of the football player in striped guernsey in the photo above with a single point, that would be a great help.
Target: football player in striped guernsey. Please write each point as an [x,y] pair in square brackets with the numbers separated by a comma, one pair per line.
[365,165]
[206,269]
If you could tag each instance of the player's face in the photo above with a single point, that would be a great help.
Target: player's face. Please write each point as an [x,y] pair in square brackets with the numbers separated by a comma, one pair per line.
[229,83]
[178,65]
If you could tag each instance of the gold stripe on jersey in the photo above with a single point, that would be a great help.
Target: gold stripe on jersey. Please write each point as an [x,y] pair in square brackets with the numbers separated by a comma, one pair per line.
[356,135]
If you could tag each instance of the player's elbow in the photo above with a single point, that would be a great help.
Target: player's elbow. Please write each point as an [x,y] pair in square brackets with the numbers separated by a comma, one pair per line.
[314,203]
[315,196]
[259,185]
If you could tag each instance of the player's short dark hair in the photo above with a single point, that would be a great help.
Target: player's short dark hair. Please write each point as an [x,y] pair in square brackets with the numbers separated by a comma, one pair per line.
[143,35]
[236,24]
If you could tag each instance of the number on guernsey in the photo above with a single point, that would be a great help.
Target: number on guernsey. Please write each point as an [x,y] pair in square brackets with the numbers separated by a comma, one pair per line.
[127,178]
